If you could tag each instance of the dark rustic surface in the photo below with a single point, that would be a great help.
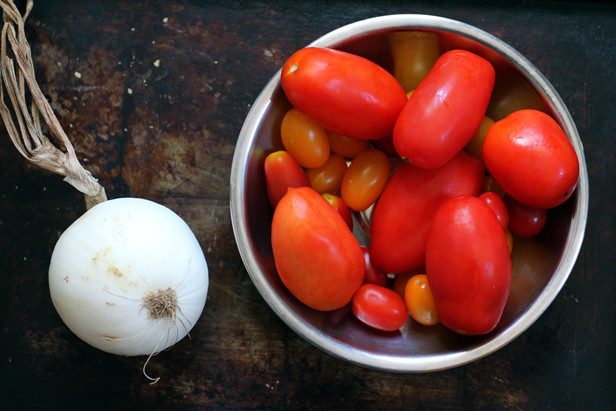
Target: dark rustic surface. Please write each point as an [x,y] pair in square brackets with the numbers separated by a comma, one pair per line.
[171,139]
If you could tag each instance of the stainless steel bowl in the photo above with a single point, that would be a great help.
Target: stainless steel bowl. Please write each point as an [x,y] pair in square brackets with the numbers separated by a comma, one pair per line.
[541,265]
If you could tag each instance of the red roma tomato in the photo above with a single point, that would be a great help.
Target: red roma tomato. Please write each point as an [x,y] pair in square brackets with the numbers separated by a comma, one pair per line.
[379,307]
[365,179]
[402,216]
[342,209]
[304,138]
[281,172]
[328,177]
[468,266]
[445,110]
[532,159]
[345,93]
[524,221]
[315,253]
[496,204]
[374,275]
[347,147]
[419,300]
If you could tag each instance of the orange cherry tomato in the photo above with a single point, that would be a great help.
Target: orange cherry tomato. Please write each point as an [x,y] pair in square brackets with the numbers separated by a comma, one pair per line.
[328,177]
[304,138]
[419,301]
[474,146]
[347,147]
[509,236]
[365,179]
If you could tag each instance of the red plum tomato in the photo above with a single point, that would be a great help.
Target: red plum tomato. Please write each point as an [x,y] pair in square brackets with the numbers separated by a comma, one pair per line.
[340,206]
[365,179]
[281,172]
[379,307]
[524,221]
[445,110]
[402,216]
[304,138]
[374,275]
[345,93]
[532,159]
[468,266]
[315,253]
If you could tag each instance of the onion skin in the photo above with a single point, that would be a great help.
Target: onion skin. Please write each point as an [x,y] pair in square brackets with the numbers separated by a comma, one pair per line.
[111,259]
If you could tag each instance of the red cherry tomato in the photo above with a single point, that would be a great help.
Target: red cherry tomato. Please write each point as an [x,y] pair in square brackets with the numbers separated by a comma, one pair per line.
[281,172]
[419,300]
[374,275]
[386,145]
[468,266]
[491,185]
[304,138]
[532,159]
[365,179]
[315,253]
[345,93]
[379,307]
[496,204]
[328,177]
[402,216]
[347,147]
[445,110]
[341,207]
[524,221]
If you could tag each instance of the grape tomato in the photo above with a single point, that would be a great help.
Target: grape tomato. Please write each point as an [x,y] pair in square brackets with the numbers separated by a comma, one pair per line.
[365,179]
[347,147]
[304,138]
[379,307]
[328,177]
[419,300]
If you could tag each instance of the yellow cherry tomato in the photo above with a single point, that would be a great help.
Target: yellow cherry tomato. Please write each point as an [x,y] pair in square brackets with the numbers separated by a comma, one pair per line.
[475,145]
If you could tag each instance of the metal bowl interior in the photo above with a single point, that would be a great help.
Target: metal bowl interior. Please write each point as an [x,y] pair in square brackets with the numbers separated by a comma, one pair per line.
[541,265]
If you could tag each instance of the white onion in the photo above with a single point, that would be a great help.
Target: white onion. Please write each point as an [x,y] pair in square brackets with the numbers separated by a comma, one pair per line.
[129,277]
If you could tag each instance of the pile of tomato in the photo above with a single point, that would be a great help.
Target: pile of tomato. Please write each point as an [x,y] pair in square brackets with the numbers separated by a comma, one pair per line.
[448,186]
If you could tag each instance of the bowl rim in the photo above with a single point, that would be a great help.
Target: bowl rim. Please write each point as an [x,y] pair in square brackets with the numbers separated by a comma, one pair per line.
[432,362]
